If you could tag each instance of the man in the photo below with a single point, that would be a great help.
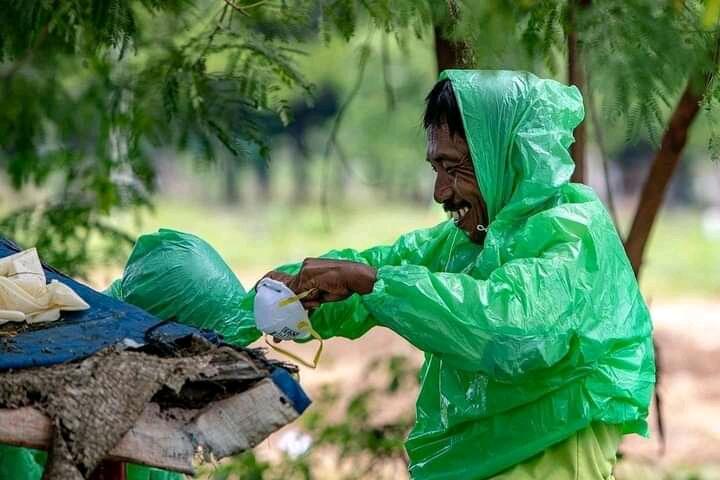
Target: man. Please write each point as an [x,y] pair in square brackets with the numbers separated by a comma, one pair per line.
[538,343]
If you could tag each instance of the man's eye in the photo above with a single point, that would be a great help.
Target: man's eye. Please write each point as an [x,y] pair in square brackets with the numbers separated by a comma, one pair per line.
[433,167]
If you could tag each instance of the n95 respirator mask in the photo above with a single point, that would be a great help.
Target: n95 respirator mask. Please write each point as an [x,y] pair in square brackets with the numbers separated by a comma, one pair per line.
[279,313]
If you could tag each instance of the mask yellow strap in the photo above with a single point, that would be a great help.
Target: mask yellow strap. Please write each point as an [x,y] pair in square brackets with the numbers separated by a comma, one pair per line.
[316,357]
[295,298]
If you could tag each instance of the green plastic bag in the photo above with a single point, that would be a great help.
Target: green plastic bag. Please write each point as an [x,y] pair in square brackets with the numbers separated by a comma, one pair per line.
[532,336]
[179,276]
[18,463]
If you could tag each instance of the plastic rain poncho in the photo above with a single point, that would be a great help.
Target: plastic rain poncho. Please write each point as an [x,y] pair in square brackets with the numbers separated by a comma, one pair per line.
[529,338]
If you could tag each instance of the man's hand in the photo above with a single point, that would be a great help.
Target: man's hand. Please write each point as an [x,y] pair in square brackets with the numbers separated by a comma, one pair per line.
[328,280]
[285,278]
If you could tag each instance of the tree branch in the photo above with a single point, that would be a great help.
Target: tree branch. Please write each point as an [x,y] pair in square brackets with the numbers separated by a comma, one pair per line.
[243,8]
[334,131]
[450,53]
[27,55]
[666,161]
[387,83]
[661,172]
[576,77]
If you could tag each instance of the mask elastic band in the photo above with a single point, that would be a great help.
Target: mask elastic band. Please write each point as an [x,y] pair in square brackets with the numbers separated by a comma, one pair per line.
[316,357]
[295,298]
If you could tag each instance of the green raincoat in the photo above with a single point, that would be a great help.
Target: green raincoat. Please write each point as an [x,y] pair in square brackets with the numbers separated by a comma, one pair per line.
[531,337]
[536,338]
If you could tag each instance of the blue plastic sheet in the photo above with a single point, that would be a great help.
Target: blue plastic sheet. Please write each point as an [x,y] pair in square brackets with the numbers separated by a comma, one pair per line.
[80,334]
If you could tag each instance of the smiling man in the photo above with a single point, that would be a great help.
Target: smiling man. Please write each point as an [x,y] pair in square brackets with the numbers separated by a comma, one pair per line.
[538,342]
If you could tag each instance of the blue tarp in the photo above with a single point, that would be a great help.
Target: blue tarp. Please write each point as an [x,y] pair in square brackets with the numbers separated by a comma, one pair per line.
[80,334]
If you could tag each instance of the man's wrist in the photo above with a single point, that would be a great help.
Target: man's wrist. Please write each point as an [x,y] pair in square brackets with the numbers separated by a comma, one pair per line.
[364,279]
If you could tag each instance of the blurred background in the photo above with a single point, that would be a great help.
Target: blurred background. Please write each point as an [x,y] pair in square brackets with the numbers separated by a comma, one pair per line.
[279,130]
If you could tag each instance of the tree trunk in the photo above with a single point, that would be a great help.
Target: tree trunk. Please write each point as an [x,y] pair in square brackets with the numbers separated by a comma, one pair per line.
[263,175]
[576,77]
[231,195]
[661,171]
[300,170]
[448,53]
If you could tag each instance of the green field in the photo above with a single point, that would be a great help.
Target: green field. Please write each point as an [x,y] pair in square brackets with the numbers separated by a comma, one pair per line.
[681,262]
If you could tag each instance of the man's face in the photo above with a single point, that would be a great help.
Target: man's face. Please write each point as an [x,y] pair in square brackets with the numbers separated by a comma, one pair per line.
[456,186]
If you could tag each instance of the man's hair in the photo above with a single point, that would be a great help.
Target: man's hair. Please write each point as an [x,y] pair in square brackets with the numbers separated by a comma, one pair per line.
[441,108]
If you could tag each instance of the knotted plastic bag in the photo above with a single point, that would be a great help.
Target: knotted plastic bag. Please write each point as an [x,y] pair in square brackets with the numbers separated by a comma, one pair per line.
[179,276]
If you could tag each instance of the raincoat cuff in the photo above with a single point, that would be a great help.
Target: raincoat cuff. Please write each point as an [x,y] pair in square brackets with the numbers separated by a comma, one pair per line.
[373,301]
[378,302]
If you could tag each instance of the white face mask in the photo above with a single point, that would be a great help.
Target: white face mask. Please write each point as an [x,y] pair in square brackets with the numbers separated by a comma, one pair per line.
[275,315]
[278,312]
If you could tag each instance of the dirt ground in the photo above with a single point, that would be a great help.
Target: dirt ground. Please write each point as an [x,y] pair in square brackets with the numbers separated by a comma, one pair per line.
[688,335]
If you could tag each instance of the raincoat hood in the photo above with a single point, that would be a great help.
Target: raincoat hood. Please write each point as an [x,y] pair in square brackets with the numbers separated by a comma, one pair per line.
[519,128]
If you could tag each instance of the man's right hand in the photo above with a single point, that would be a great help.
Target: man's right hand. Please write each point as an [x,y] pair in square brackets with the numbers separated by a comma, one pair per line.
[285,278]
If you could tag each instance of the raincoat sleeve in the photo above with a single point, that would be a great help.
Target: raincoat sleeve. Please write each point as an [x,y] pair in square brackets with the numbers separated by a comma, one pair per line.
[521,318]
[349,318]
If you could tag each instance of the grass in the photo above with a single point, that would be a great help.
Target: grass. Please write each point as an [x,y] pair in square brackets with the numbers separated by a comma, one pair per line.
[254,240]
[681,260]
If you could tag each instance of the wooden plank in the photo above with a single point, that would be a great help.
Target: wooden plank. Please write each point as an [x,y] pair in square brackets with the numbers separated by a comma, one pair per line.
[238,423]
[25,427]
[170,439]
[159,439]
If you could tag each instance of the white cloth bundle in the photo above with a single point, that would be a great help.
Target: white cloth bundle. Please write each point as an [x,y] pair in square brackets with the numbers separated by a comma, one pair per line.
[25,295]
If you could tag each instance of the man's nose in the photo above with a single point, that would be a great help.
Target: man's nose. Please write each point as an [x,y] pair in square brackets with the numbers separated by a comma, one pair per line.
[442,191]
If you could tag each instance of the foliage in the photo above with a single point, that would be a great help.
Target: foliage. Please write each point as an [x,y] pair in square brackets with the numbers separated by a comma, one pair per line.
[366,151]
[639,54]
[91,89]
[359,446]
[81,113]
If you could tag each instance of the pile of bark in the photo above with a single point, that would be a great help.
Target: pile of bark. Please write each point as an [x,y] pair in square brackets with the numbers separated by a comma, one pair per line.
[163,405]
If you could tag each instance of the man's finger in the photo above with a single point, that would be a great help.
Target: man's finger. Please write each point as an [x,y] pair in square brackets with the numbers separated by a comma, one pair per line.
[335,296]
[285,278]
[280,276]
[310,304]
[314,300]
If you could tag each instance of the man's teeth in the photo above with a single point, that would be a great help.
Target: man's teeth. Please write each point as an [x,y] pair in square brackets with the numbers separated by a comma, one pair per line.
[458,214]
